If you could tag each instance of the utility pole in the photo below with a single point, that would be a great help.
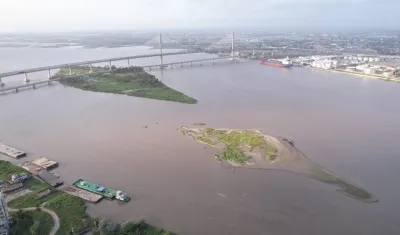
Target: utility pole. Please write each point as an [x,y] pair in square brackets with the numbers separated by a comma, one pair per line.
[161,53]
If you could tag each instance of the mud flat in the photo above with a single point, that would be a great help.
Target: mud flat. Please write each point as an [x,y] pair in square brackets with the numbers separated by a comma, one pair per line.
[251,149]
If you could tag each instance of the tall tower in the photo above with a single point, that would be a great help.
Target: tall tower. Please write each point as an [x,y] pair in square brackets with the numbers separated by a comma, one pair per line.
[4,217]
[161,53]
[233,45]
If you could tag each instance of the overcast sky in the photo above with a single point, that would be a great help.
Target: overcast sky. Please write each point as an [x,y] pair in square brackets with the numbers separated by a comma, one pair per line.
[81,15]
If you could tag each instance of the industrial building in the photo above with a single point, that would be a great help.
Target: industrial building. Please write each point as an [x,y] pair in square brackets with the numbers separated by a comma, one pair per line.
[4,217]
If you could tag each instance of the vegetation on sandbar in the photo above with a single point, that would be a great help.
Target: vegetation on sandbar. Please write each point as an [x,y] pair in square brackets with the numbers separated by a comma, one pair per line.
[239,144]
[234,154]
[199,124]
[132,81]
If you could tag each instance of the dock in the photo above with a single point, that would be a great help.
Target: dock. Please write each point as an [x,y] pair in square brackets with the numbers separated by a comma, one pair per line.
[85,195]
[45,163]
[43,194]
[50,178]
[97,189]
[31,168]
[11,152]
[6,188]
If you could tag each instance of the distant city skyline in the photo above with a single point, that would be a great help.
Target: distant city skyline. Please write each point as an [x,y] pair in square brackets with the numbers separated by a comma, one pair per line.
[95,15]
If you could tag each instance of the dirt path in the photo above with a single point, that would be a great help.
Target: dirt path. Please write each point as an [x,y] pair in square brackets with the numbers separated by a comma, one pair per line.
[56,219]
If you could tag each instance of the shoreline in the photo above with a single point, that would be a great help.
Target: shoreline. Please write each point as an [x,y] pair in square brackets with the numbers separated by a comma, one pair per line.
[61,204]
[363,75]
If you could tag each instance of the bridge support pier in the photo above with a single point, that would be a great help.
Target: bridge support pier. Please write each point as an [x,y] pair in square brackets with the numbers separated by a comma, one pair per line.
[26,79]
[16,90]
[1,83]
[49,74]
[90,68]
[70,71]
[129,63]
[150,68]
[109,62]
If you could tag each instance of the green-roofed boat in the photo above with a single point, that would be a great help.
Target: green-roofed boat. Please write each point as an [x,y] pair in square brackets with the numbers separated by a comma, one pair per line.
[95,188]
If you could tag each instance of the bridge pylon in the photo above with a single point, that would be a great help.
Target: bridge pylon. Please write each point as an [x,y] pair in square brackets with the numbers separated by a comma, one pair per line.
[161,52]
[26,79]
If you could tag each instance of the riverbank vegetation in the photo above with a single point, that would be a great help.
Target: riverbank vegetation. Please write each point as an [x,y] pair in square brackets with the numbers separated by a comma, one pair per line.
[70,210]
[131,81]
[7,169]
[31,223]
[29,200]
[106,227]
[72,213]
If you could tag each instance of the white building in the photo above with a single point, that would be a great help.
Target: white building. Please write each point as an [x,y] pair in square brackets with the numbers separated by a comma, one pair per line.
[387,74]
[327,65]
[369,70]
[360,67]
[4,217]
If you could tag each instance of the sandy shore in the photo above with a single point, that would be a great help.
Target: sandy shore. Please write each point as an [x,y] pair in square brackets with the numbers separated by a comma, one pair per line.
[288,158]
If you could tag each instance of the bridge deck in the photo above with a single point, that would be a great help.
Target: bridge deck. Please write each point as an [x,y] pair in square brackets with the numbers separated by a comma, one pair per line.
[22,71]
[33,84]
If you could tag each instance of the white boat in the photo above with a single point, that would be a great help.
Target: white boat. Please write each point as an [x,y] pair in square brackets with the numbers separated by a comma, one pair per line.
[119,195]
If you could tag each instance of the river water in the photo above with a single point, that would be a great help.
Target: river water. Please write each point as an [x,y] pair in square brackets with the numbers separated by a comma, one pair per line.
[347,124]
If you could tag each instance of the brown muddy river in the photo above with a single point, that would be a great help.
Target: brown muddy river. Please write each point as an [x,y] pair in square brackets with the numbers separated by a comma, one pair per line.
[347,124]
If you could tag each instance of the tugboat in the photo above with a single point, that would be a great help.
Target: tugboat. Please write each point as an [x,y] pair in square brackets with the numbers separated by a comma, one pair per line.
[121,196]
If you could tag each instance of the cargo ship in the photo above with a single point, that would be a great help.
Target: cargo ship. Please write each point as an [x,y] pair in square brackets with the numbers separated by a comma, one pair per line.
[285,63]
[101,190]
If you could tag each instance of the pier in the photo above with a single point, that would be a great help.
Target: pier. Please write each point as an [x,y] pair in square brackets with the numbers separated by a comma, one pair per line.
[11,152]
[45,163]
[50,178]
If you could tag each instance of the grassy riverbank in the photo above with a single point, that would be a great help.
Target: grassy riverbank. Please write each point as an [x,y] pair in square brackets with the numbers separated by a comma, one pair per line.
[7,169]
[71,210]
[132,81]
[31,222]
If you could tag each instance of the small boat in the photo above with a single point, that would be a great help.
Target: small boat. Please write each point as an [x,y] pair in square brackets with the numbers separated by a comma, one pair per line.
[122,196]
